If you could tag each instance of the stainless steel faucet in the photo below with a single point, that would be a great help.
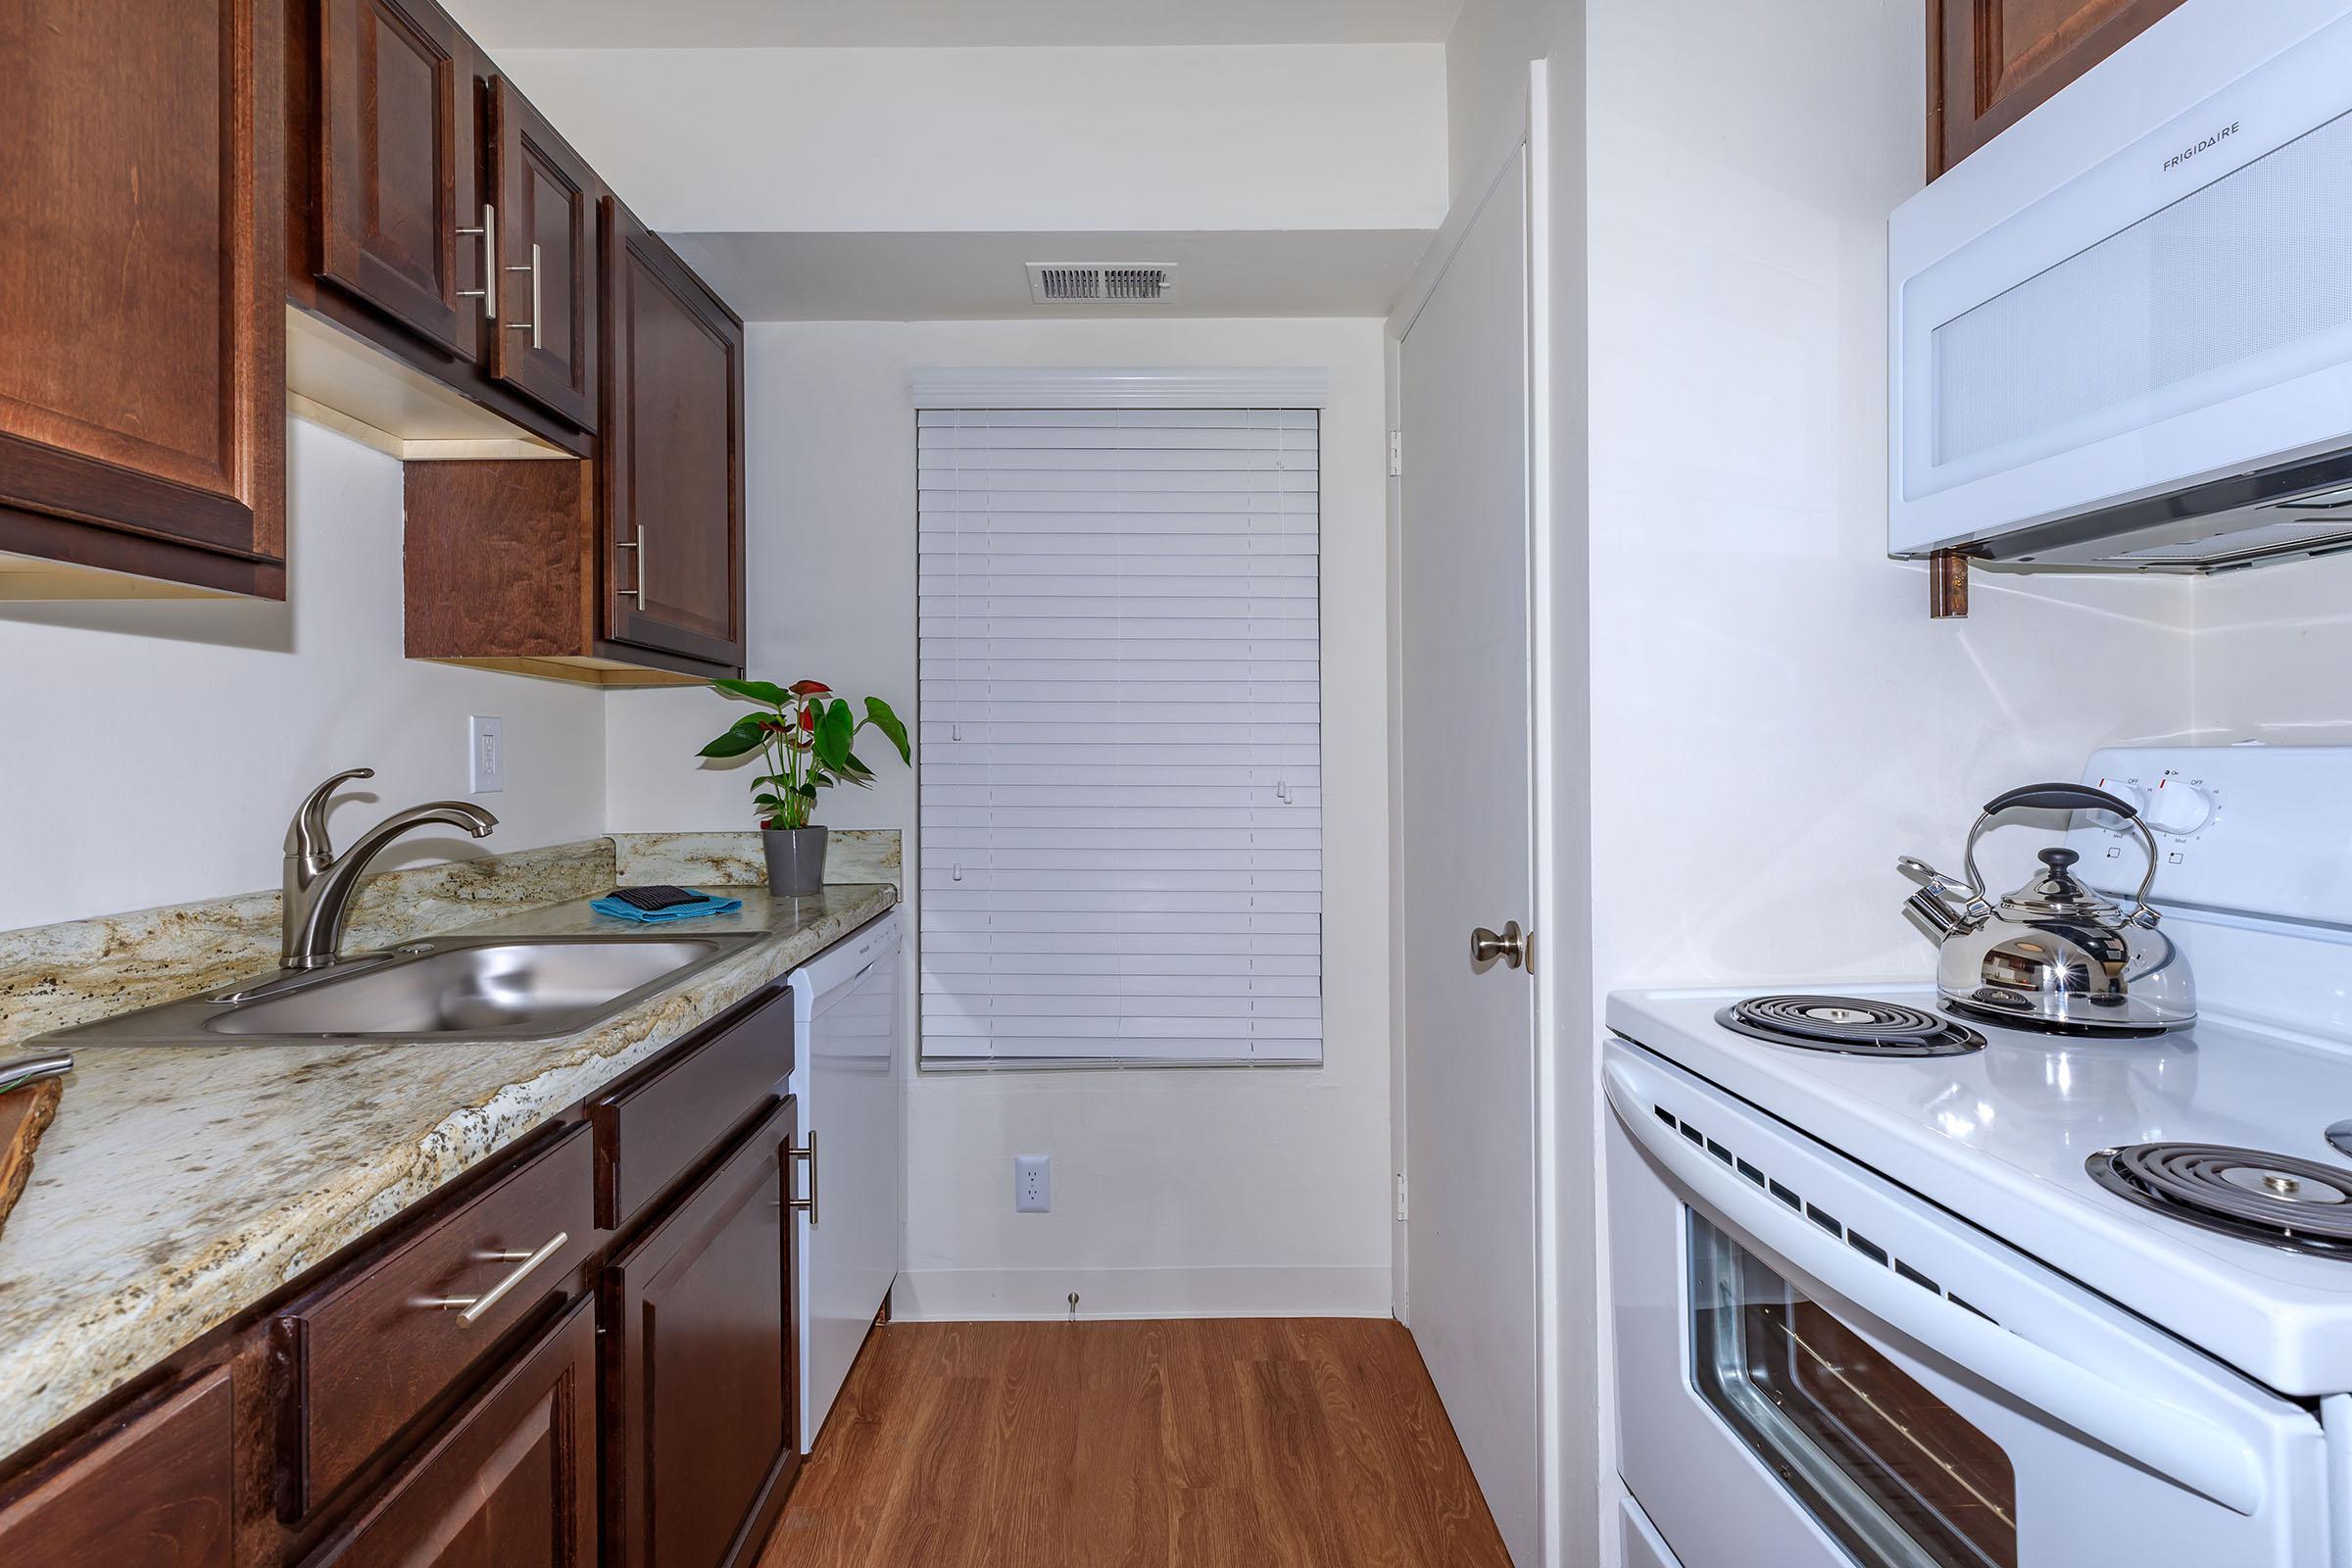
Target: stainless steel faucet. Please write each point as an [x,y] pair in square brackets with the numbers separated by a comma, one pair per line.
[319,884]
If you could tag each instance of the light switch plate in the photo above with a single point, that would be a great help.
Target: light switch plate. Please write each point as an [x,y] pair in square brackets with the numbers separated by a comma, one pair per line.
[485,755]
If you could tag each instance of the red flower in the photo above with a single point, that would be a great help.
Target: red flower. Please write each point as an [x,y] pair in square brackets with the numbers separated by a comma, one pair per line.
[809,688]
[807,719]
[773,726]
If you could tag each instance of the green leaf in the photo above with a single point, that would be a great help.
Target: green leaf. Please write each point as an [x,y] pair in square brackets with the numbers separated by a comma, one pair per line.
[808,790]
[754,691]
[859,773]
[834,728]
[878,713]
[774,803]
[742,736]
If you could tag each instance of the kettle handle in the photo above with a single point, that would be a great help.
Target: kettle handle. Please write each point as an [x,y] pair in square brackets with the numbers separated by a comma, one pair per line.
[2059,798]
[2067,797]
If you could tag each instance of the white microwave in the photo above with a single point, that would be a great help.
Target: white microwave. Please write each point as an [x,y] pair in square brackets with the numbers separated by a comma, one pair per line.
[2120,333]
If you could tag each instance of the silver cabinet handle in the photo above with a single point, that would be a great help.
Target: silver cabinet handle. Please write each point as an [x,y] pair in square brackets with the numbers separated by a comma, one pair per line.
[469,1308]
[637,544]
[807,1204]
[532,325]
[1510,945]
[488,292]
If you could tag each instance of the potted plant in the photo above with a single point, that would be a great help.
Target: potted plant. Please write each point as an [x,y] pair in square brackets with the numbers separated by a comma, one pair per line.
[803,734]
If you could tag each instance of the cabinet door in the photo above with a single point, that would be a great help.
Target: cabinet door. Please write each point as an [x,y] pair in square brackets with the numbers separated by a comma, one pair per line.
[509,1483]
[545,345]
[396,126]
[698,1373]
[142,323]
[1991,61]
[151,1489]
[673,471]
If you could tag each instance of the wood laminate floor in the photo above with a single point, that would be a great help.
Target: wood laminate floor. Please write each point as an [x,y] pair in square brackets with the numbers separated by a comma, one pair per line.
[1211,1444]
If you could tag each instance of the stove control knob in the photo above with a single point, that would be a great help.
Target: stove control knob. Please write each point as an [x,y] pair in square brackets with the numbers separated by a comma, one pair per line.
[2130,792]
[2177,807]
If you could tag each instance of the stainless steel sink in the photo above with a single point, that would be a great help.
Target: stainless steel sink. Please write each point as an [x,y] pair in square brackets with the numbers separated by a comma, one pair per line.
[480,988]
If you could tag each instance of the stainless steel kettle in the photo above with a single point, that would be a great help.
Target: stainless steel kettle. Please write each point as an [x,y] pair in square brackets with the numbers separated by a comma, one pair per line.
[2053,954]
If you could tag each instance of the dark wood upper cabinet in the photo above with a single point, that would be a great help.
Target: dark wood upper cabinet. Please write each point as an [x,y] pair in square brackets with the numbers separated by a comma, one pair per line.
[1991,61]
[142,327]
[545,345]
[397,145]
[698,1395]
[671,488]
[153,1488]
[510,1483]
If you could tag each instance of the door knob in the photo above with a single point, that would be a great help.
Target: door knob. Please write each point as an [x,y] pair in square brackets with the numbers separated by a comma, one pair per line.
[1510,945]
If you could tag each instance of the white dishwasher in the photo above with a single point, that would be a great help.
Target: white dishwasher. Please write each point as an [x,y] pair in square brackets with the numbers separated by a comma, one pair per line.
[844,1005]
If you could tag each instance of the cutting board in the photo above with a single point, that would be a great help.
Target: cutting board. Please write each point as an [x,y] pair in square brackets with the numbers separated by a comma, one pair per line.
[25,1114]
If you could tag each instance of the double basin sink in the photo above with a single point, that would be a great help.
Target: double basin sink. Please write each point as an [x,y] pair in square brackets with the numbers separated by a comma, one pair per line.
[461,988]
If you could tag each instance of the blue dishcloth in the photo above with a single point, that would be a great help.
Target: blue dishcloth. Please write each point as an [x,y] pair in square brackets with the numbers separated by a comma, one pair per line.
[712,904]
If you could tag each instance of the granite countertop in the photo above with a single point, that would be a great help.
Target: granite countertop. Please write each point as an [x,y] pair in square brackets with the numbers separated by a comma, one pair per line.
[181,1185]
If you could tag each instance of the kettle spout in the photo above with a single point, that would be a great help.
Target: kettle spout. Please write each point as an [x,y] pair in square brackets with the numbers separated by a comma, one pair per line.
[1933,917]
[1938,894]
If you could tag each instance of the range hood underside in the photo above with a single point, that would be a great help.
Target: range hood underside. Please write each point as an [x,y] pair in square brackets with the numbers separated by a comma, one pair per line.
[2293,511]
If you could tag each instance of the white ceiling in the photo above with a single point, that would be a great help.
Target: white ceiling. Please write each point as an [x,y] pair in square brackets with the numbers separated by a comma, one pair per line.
[966,277]
[941,23]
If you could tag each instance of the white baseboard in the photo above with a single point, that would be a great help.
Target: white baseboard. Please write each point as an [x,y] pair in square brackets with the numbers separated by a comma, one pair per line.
[988,1295]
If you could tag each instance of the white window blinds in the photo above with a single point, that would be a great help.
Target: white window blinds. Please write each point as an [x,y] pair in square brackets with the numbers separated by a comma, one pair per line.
[1121,764]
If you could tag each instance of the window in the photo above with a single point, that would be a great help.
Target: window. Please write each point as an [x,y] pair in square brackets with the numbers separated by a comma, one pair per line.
[1898,1476]
[1121,824]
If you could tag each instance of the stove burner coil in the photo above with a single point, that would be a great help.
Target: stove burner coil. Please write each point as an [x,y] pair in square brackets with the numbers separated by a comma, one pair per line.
[1850,1025]
[2277,1200]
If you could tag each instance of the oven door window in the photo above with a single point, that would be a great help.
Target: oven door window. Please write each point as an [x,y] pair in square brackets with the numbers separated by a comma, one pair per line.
[1886,1468]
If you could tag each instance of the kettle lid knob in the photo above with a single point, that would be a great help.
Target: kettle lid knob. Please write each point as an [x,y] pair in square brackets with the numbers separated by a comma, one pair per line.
[2057,859]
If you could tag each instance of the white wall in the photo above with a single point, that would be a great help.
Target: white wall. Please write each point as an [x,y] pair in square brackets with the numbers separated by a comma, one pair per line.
[1775,716]
[809,140]
[1175,1192]
[154,750]
[2274,655]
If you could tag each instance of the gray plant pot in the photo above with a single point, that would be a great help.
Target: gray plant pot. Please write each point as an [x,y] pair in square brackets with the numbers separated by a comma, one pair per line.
[796,861]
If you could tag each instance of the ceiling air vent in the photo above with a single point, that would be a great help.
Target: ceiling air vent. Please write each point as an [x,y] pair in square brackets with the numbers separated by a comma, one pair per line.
[1089,283]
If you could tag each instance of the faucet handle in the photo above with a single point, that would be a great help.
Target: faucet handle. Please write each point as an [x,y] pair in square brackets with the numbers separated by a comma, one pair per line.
[306,835]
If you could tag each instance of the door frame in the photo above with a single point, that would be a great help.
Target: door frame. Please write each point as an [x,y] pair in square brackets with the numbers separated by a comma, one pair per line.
[1556,972]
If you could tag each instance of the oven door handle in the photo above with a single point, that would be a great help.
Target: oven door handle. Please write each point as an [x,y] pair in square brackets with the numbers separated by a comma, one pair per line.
[2183,1447]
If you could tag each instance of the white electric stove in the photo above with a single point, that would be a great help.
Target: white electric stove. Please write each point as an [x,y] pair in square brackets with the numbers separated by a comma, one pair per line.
[1921,1288]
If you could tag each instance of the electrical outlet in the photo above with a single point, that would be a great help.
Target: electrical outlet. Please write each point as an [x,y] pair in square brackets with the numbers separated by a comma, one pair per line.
[485,755]
[1033,1184]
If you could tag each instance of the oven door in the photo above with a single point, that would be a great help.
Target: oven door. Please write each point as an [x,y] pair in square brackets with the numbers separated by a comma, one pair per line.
[1817,1367]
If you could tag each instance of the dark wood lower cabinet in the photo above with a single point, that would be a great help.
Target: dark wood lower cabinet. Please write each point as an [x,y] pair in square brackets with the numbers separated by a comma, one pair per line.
[699,1446]
[151,1488]
[498,1378]
[510,1481]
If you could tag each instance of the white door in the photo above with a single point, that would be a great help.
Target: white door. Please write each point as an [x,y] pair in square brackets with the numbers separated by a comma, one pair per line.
[1467,858]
